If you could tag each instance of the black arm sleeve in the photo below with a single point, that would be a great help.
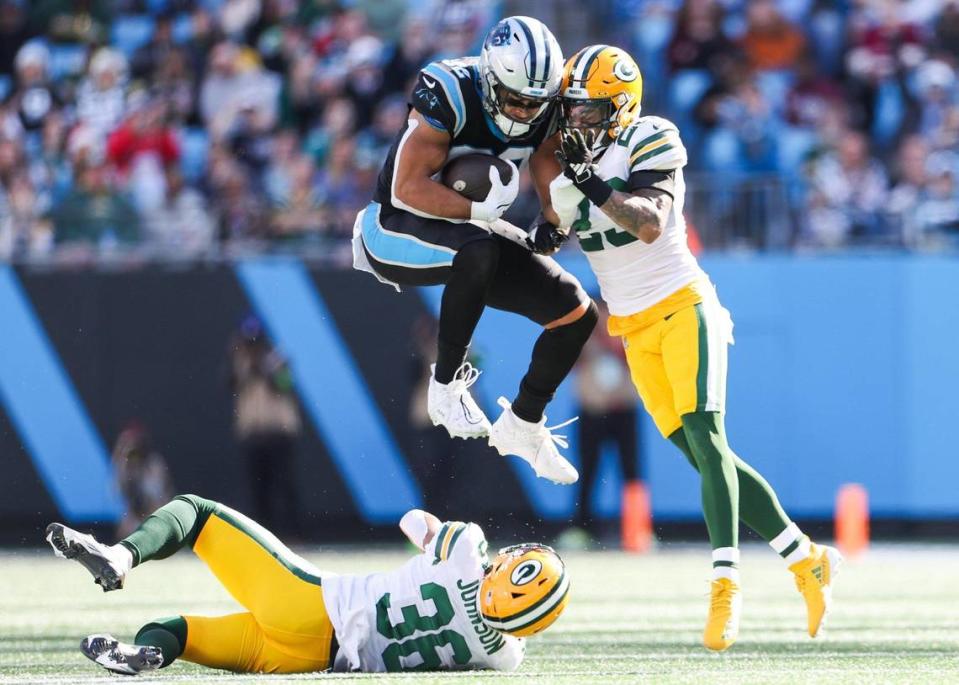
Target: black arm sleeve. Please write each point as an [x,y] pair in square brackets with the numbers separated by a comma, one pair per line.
[658,180]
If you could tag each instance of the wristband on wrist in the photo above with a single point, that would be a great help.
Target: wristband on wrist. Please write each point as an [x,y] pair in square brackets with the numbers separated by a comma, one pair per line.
[595,188]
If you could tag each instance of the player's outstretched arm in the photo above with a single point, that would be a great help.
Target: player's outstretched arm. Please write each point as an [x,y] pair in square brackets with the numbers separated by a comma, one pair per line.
[421,154]
[420,527]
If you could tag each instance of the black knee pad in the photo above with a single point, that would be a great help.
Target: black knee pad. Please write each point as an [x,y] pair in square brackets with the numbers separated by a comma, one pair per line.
[477,260]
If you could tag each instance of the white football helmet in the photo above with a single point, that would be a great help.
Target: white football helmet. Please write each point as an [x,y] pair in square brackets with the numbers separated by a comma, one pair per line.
[520,58]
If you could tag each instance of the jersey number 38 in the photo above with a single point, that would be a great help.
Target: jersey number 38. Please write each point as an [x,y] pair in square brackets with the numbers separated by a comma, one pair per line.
[425,645]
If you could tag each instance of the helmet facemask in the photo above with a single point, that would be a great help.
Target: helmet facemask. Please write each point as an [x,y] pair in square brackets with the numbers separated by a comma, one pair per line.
[593,117]
[498,99]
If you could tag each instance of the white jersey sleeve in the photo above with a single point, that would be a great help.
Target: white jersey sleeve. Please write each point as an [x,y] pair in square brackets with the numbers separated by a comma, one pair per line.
[462,544]
[655,145]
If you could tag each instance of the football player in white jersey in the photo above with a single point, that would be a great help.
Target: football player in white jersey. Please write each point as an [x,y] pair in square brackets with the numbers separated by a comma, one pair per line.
[621,191]
[446,608]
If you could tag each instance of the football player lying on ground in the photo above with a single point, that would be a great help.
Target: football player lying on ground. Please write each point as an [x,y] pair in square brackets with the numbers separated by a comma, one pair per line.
[447,608]
[621,190]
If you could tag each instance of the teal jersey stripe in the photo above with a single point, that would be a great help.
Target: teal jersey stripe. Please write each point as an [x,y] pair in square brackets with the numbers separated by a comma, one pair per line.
[451,87]
[399,249]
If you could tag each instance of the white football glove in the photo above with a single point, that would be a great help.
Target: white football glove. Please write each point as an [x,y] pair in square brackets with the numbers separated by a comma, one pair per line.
[499,198]
[565,199]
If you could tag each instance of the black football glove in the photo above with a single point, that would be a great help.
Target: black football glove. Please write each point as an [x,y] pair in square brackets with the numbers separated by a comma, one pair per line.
[575,154]
[544,238]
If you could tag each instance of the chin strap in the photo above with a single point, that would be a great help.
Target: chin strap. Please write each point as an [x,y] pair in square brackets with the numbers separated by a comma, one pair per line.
[509,127]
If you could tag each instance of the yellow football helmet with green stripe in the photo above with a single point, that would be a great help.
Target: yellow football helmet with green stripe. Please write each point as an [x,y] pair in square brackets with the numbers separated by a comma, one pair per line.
[602,91]
[525,590]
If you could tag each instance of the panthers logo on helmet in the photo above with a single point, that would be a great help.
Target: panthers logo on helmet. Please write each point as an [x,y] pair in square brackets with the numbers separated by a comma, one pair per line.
[525,590]
[500,35]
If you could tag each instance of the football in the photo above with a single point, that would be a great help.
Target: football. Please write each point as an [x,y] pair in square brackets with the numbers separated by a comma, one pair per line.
[468,174]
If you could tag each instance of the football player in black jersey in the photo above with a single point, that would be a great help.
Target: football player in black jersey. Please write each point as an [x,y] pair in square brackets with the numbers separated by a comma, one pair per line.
[419,232]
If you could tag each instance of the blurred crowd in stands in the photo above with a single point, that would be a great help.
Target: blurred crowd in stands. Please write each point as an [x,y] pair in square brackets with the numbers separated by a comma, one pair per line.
[189,129]
[185,129]
[848,109]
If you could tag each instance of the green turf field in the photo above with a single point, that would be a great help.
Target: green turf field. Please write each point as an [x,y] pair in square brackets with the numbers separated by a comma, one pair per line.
[630,620]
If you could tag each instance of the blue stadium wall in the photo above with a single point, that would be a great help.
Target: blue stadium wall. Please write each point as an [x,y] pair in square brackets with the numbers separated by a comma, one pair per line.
[844,370]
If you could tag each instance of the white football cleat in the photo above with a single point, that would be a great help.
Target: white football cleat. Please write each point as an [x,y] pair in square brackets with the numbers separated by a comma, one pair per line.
[120,657]
[534,443]
[107,566]
[452,406]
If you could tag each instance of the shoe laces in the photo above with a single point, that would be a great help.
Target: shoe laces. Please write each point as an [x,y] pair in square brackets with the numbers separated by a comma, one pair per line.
[560,440]
[544,431]
[723,599]
[464,377]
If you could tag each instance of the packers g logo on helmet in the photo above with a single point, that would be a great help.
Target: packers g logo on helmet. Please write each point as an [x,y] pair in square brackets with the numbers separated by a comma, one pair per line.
[525,590]
[605,83]
[626,70]
[526,572]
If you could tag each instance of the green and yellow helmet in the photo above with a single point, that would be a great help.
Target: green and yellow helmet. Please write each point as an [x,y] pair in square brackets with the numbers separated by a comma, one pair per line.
[602,89]
[525,590]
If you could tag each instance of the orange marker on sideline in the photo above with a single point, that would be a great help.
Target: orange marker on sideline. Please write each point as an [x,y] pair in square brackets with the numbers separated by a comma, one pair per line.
[637,516]
[852,519]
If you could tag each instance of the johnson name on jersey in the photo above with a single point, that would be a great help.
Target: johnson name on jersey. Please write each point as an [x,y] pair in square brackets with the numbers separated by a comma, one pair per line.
[422,616]
[634,275]
[448,96]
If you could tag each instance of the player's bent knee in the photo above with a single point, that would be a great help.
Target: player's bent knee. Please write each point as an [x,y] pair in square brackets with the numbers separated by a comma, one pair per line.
[580,322]
[702,420]
[704,434]
[191,512]
[203,506]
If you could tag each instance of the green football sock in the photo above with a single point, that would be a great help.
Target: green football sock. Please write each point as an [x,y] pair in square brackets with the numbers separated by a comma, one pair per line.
[171,527]
[759,507]
[169,634]
[706,438]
